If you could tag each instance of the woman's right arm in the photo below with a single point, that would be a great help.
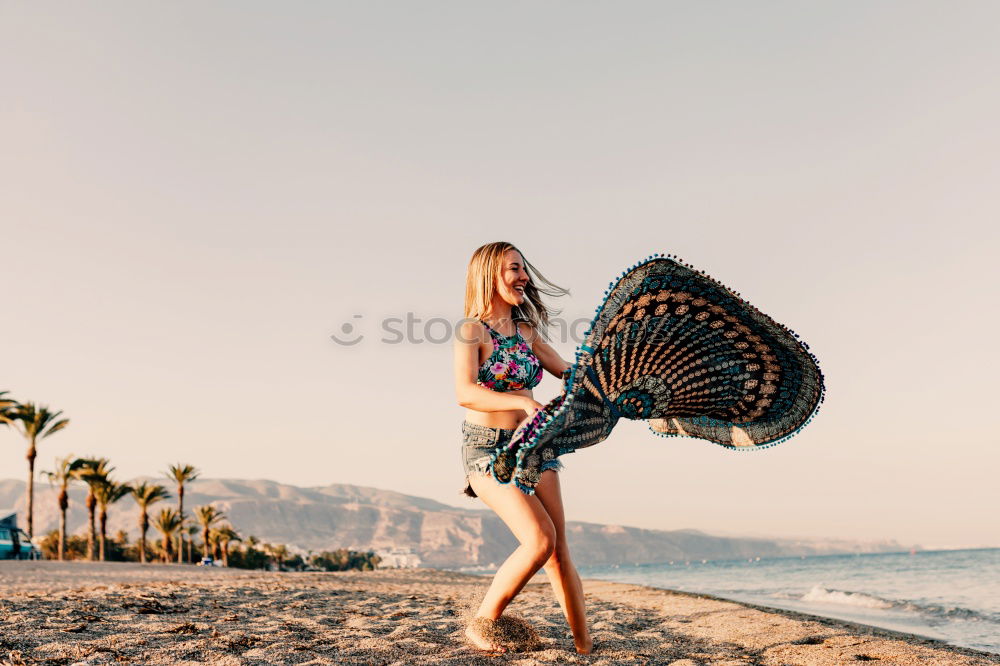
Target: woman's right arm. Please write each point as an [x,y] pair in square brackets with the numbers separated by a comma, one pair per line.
[470,394]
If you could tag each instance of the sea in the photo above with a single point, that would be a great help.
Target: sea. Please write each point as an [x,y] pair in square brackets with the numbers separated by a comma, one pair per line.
[950,595]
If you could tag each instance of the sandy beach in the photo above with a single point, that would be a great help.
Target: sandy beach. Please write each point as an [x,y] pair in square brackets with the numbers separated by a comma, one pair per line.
[78,613]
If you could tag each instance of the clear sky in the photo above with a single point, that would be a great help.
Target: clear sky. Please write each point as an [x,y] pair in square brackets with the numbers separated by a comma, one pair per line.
[194,196]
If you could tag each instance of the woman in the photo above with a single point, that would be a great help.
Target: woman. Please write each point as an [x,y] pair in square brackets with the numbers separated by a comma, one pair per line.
[499,357]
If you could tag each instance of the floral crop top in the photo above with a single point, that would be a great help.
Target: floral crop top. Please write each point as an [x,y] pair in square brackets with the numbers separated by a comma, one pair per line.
[512,365]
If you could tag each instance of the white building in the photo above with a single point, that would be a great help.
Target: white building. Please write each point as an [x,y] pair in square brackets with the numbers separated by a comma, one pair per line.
[398,558]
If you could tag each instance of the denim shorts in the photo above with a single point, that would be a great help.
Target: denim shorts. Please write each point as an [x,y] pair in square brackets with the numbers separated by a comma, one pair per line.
[478,444]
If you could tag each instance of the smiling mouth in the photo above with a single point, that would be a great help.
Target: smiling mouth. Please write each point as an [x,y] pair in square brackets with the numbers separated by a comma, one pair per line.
[519,290]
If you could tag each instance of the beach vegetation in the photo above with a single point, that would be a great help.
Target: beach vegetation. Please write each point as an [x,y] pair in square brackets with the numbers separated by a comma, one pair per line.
[62,476]
[191,531]
[222,537]
[219,539]
[181,474]
[345,560]
[34,423]
[93,472]
[145,495]
[207,517]
[249,556]
[6,408]
[107,492]
[74,548]
[278,553]
[168,524]
[117,547]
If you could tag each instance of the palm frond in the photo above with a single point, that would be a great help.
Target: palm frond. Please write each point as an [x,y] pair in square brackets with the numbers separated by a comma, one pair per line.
[55,427]
[94,471]
[167,522]
[146,493]
[7,406]
[226,533]
[107,491]
[35,421]
[208,515]
[64,471]
[182,473]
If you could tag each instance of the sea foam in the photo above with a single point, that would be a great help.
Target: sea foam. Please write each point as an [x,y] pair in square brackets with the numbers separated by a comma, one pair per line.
[820,594]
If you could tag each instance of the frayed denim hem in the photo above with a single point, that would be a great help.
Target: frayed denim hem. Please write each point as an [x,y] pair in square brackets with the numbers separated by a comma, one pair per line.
[554,465]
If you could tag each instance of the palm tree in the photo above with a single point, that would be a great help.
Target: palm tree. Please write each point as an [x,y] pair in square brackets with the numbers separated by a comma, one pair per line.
[223,535]
[192,531]
[145,495]
[278,552]
[93,472]
[63,474]
[181,474]
[108,492]
[168,523]
[213,543]
[207,516]
[34,423]
[215,537]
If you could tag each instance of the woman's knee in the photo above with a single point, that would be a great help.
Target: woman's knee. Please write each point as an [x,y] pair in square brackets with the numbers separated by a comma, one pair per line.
[560,554]
[542,543]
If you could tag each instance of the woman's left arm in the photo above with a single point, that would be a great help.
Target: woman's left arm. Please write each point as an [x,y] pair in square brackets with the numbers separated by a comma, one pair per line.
[547,356]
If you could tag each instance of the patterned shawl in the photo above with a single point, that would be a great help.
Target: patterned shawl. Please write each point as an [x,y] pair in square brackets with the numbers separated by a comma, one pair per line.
[672,346]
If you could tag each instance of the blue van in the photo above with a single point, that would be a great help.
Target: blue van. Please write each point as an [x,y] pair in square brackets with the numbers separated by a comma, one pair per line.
[14,543]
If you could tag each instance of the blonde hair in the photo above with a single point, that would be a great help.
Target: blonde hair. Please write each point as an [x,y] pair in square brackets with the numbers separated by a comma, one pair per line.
[481,285]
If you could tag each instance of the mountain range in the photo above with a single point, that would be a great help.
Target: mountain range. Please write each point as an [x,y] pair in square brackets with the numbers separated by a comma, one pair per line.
[413,530]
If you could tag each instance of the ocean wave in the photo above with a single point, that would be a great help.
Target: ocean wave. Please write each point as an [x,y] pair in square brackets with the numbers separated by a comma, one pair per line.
[820,594]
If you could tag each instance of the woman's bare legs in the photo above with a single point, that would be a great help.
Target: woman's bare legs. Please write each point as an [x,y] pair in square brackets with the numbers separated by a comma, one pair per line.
[559,568]
[531,525]
[538,524]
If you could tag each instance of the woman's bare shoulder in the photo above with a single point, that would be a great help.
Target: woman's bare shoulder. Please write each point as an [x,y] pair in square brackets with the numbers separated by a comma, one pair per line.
[471,330]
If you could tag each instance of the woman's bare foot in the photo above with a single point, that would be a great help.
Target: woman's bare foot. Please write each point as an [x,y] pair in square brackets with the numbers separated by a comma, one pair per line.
[584,646]
[478,634]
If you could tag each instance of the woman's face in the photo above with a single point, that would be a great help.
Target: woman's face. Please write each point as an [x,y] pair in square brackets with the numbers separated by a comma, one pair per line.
[513,278]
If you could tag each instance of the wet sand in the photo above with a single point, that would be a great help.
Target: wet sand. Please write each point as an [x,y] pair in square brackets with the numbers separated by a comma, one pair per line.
[79,613]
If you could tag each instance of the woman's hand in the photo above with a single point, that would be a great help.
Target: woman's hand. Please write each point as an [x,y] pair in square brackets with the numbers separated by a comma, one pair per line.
[532,407]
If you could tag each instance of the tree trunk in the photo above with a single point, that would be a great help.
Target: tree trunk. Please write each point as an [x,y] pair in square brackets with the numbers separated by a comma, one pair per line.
[143,528]
[63,505]
[92,534]
[30,491]
[225,554]
[62,536]
[190,546]
[166,549]
[104,528]
[206,552]
[180,514]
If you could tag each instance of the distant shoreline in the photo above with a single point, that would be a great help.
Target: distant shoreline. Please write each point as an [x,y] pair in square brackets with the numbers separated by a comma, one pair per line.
[865,589]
